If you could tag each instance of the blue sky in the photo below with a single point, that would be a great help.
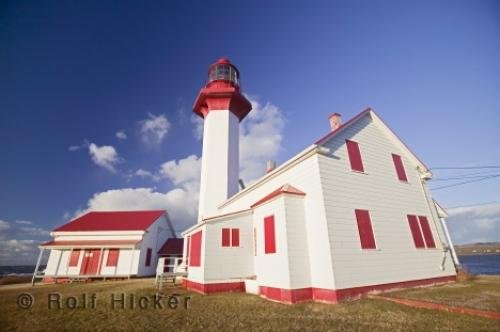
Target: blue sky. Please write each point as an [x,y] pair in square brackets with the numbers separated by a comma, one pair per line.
[73,75]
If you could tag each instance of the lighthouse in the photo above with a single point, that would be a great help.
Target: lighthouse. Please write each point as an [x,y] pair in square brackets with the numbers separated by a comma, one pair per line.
[222,106]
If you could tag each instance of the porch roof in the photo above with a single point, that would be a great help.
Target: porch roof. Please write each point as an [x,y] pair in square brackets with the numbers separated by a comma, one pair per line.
[90,244]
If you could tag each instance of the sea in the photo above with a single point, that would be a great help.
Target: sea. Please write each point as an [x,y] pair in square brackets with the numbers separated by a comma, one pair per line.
[475,264]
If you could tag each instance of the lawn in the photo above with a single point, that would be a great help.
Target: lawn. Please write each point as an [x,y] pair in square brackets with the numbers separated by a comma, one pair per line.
[225,312]
[482,293]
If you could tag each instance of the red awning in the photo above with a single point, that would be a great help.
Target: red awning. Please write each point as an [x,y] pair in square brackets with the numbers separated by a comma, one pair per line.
[91,244]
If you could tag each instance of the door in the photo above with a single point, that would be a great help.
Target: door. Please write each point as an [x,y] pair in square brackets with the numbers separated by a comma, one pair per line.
[90,262]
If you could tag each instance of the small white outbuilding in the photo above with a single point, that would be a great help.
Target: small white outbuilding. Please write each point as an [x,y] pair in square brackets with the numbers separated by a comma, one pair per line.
[114,244]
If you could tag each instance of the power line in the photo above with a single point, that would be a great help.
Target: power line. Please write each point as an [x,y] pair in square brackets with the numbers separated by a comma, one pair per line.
[465,182]
[465,167]
[463,177]
[470,205]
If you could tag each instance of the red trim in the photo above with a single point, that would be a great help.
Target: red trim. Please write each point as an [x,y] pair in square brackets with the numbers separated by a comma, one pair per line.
[416,233]
[269,235]
[112,221]
[340,295]
[214,287]
[354,156]
[440,306]
[226,237]
[365,229]
[400,168]
[74,258]
[426,231]
[195,255]
[286,189]
[112,259]
[235,237]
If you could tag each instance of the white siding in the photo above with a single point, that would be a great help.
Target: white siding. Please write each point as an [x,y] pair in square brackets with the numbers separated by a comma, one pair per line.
[225,263]
[304,176]
[272,269]
[388,201]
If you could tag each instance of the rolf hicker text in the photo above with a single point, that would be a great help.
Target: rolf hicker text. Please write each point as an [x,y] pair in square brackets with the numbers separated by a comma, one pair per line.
[119,301]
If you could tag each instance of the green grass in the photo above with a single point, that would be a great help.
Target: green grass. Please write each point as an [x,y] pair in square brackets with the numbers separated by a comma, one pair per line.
[224,312]
[481,293]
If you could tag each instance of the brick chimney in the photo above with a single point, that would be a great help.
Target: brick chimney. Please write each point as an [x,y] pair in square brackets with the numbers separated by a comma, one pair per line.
[271,165]
[335,121]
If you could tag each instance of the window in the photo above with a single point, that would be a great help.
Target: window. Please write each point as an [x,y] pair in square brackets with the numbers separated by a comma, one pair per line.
[269,235]
[149,252]
[195,252]
[426,230]
[421,232]
[230,237]
[400,168]
[235,237]
[112,257]
[354,156]
[418,240]
[226,237]
[365,229]
[74,258]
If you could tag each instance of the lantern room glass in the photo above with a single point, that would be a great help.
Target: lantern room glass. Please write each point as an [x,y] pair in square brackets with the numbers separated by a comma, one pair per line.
[223,72]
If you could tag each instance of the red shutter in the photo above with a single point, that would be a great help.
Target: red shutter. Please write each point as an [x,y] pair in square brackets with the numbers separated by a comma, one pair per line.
[112,257]
[195,254]
[365,229]
[426,230]
[148,256]
[74,258]
[415,231]
[269,235]
[226,237]
[354,156]
[235,237]
[400,169]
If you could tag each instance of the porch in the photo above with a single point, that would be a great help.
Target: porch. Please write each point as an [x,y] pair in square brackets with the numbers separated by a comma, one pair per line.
[88,259]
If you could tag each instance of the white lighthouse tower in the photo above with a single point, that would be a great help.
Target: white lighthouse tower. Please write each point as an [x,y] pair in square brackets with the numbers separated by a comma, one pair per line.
[222,106]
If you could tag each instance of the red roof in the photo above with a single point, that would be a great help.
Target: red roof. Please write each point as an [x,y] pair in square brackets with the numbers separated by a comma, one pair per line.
[91,243]
[112,221]
[286,189]
[172,247]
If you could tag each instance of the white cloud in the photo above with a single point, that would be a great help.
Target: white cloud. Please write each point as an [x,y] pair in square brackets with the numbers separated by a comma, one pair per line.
[182,171]
[479,223]
[261,136]
[146,174]
[154,128]
[84,145]
[19,243]
[198,127]
[23,222]
[104,156]
[181,203]
[4,225]
[121,135]
[260,139]
[34,231]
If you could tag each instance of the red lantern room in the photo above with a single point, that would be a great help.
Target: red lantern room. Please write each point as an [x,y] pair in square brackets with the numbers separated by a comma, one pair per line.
[222,91]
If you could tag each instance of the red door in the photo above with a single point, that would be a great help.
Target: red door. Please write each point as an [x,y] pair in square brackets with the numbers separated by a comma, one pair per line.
[90,262]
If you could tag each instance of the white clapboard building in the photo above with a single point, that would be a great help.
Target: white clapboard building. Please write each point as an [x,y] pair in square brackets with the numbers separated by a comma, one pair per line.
[349,214]
[114,244]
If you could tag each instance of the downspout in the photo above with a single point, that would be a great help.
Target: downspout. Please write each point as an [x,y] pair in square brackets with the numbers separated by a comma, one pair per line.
[451,247]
